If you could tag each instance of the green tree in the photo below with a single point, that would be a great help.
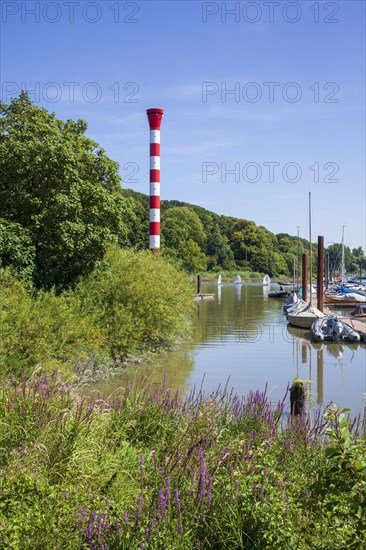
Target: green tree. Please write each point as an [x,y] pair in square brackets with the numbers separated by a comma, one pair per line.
[16,249]
[181,224]
[193,259]
[218,247]
[61,188]
[335,258]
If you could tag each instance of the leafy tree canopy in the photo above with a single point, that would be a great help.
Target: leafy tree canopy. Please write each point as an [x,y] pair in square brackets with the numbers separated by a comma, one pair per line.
[181,224]
[61,188]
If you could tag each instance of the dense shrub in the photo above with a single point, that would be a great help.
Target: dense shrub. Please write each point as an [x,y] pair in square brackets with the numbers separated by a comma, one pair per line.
[140,301]
[137,302]
[42,329]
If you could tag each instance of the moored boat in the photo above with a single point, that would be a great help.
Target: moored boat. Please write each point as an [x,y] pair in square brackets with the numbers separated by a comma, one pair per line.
[344,300]
[291,300]
[297,306]
[278,294]
[330,328]
[305,317]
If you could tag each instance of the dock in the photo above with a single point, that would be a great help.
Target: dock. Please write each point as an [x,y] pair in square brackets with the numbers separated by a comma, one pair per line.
[201,296]
[357,324]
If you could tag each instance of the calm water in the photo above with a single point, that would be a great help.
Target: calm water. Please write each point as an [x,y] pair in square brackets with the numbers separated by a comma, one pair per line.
[242,338]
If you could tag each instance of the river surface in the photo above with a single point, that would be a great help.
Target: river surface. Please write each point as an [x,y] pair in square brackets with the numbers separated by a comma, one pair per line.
[242,339]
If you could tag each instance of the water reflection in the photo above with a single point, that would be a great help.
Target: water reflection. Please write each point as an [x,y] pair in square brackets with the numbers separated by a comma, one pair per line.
[243,334]
[219,293]
[238,292]
[345,354]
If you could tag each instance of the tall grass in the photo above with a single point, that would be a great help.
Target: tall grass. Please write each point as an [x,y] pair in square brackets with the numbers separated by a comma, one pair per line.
[146,468]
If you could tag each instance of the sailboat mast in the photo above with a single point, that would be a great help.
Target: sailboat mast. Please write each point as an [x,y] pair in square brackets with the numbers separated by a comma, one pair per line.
[342,265]
[297,261]
[310,254]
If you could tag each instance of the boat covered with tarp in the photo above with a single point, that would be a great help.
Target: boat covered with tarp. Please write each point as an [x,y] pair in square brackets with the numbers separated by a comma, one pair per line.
[305,317]
[344,300]
[291,300]
[297,306]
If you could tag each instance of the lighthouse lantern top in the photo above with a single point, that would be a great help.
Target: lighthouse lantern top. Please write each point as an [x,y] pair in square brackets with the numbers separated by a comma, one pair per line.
[155,117]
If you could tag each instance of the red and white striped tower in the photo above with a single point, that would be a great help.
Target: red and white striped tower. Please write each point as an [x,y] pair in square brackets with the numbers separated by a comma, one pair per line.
[155,117]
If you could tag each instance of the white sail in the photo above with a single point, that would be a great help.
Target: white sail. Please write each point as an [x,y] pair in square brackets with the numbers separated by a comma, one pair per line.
[266,280]
[238,280]
[219,280]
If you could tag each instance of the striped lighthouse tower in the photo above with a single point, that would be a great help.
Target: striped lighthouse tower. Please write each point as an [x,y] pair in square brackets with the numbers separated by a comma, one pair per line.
[155,117]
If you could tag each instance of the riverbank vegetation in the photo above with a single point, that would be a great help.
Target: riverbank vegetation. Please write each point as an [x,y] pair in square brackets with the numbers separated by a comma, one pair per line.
[146,469]
[134,303]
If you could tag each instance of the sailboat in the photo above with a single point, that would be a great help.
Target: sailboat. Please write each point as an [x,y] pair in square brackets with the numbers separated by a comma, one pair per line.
[266,280]
[305,317]
[219,280]
[237,280]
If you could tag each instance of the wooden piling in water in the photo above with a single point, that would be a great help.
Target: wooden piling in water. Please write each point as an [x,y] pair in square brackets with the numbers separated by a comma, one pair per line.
[305,277]
[297,397]
[320,275]
[198,284]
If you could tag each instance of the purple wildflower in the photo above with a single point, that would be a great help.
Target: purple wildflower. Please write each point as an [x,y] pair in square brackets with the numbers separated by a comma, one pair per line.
[139,510]
[202,478]
[161,505]
[177,502]
[116,526]
[89,535]
[167,490]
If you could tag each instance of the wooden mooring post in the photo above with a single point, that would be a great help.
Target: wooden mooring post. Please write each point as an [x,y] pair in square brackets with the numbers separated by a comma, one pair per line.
[320,275]
[297,397]
[198,284]
[305,277]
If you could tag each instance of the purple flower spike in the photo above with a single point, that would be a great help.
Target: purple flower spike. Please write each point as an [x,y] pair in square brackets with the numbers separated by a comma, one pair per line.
[139,510]
[202,478]
[177,502]
[167,490]
[89,535]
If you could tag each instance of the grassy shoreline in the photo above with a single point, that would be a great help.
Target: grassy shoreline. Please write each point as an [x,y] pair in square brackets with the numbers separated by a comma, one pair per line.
[148,469]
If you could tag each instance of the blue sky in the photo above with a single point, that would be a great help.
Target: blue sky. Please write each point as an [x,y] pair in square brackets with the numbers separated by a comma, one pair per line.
[294,122]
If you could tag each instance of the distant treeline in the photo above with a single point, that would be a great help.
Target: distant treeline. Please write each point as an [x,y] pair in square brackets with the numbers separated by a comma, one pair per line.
[199,240]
